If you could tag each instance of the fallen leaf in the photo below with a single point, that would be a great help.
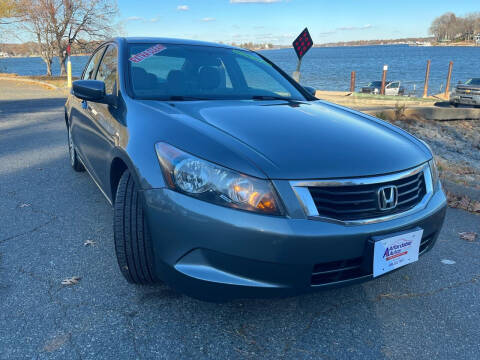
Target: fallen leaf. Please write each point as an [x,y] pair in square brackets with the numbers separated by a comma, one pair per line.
[89,243]
[469,236]
[448,262]
[463,202]
[56,343]
[476,207]
[71,280]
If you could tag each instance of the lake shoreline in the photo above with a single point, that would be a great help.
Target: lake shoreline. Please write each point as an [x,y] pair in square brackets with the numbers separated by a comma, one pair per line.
[329,68]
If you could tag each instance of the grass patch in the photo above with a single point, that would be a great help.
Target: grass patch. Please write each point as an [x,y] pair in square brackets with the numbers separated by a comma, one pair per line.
[392,98]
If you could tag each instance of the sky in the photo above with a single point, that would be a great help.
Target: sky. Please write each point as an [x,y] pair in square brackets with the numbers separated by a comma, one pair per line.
[280,21]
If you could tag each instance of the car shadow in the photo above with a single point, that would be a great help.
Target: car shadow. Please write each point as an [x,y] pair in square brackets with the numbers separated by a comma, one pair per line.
[30,105]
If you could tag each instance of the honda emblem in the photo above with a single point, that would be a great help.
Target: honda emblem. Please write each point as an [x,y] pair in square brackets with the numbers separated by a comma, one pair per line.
[387,197]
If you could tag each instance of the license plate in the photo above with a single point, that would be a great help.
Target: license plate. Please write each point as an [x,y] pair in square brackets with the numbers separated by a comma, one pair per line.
[396,251]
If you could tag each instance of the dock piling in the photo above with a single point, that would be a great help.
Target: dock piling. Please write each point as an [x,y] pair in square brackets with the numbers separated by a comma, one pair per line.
[449,77]
[384,79]
[352,81]
[427,77]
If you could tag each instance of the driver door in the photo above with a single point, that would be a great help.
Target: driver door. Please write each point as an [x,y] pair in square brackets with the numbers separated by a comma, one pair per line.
[80,122]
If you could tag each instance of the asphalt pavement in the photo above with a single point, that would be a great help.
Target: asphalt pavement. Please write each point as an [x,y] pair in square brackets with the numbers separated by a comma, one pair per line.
[55,224]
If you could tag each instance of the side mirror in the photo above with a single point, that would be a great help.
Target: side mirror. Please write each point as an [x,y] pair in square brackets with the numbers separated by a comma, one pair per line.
[90,90]
[312,91]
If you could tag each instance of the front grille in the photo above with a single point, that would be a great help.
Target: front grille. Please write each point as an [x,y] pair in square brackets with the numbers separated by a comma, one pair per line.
[337,271]
[468,92]
[351,269]
[425,243]
[357,202]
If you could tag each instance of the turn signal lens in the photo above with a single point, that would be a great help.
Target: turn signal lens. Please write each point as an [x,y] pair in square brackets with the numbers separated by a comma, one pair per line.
[434,173]
[213,183]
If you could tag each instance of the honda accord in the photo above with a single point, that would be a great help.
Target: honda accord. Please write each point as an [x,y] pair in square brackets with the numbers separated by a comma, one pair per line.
[229,179]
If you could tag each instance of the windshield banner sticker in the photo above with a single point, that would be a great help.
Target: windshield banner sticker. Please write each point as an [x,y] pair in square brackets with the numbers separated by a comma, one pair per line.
[147,53]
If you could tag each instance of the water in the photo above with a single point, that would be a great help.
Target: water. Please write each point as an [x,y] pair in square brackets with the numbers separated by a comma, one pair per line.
[329,68]
[36,66]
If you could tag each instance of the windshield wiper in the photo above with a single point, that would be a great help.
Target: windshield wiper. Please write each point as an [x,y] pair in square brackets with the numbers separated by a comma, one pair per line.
[185,98]
[270,97]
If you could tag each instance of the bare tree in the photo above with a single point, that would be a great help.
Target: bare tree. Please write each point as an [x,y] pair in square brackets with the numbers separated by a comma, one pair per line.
[7,11]
[86,19]
[67,21]
[444,27]
[34,20]
[449,27]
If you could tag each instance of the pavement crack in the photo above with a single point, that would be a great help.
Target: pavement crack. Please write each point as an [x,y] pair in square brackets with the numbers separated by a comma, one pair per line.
[36,228]
[129,318]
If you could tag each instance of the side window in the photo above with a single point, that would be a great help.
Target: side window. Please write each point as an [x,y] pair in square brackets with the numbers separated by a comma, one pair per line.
[107,71]
[92,65]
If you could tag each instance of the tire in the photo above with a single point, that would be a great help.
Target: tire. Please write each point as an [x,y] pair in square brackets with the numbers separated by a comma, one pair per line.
[76,164]
[133,244]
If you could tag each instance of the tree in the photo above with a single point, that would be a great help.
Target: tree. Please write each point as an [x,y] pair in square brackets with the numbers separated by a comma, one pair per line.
[450,27]
[65,22]
[7,9]
[443,27]
[472,25]
[34,20]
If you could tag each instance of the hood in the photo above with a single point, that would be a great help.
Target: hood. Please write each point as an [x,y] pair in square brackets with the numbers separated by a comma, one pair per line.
[468,87]
[310,140]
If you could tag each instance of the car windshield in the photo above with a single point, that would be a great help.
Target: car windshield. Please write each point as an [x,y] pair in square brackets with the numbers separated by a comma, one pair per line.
[374,84]
[475,81]
[192,72]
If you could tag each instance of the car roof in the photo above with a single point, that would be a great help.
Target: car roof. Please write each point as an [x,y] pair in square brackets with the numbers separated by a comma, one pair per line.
[156,40]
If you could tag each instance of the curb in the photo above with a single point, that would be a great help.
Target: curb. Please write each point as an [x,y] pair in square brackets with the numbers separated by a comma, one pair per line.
[461,190]
[45,84]
[445,114]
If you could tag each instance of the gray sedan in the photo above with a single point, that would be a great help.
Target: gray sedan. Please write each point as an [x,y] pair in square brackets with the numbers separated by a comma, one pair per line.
[229,179]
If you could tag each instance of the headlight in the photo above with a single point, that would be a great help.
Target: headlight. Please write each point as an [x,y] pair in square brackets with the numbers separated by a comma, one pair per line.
[213,183]
[434,173]
[433,167]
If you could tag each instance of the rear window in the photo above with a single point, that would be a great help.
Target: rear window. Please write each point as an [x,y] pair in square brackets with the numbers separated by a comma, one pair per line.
[473,82]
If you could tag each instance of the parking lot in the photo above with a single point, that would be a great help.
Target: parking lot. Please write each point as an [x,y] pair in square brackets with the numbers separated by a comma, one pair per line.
[55,224]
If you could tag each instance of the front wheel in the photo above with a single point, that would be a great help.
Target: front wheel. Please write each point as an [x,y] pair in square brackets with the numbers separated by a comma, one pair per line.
[133,245]
[76,164]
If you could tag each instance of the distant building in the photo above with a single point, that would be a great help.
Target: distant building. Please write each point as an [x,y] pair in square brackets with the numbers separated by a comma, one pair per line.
[477,39]
[3,54]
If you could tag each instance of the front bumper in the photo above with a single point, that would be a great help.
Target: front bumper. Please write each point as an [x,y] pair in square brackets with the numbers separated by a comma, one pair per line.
[216,253]
[465,99]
